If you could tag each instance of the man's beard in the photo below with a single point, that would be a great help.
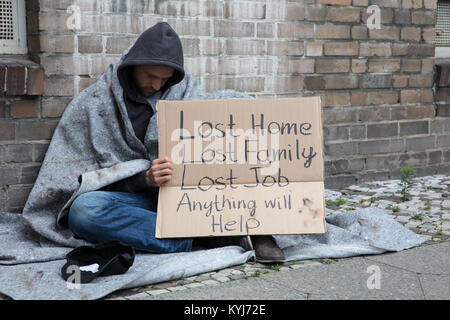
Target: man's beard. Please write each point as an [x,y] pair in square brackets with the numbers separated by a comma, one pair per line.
[147,91]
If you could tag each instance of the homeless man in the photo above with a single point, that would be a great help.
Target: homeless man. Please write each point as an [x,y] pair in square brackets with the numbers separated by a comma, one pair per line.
[125,210]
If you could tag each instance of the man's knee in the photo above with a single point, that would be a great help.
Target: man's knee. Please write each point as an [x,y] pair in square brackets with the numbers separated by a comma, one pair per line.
[84,209]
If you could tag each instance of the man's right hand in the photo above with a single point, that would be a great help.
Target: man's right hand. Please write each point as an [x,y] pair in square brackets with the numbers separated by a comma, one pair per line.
[159,173]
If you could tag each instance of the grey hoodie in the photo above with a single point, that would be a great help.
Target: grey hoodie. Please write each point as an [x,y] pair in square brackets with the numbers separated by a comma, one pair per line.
[159,46]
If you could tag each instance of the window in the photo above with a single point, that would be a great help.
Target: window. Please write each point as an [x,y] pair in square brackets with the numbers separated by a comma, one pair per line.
[12,27]
[443,29]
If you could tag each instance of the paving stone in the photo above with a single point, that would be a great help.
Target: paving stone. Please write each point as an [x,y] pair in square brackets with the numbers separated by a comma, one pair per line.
[446,204]
[190,279]
[403,219]
[194,285]
[412,224]
[138,296]
[237,276]
[209,282]
[156,292]
[177,288]
[222,279]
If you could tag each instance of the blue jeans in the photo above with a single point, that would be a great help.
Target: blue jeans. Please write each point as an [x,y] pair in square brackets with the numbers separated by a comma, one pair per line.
[130,218]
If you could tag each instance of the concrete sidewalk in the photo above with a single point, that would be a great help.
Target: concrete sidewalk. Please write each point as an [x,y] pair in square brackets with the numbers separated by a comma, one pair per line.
[418,273]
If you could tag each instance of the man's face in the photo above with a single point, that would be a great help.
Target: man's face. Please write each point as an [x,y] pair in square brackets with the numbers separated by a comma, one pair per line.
[151,79]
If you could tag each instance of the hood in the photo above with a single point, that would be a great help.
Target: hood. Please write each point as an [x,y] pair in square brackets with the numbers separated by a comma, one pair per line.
[157,46]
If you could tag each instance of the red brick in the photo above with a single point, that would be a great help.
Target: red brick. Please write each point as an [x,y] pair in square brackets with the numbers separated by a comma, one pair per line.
[245,47]
[384,65]
[423,17]
[295,30]
[240,10]
[361,3]
[341,82]
[410,33]
[332,65]
[359,65]
[409,96]
[442,94]
[314,83]
[443,75]
[358,98]
[429,34]
[36,130]
[426,95]
[54,107]
[288,84]
[7,131]
[342,14]
[330,115]
[2,109]
[285,48]
[420,112]
[382,97]
[430,4]
[421,80]
[35,80]
[314,48]
[375,49]
[2,79]
[15,82]
[294,12]
[295,66]
[385,33]
[59,86]
[331,31]
[400,81]
[400,49]
[24,108]
[412,4]
[223,28]
[411,65]
[333,99]
[341,48]
[94,44]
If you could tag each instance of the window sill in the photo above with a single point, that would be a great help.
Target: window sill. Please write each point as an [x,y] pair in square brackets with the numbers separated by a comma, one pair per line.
[20,76]
[442,95]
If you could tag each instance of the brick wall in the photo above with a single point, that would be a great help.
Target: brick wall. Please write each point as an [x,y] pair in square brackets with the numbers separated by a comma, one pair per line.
[376,85]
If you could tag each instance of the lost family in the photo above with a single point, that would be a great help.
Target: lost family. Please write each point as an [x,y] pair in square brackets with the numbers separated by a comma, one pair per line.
[241,146]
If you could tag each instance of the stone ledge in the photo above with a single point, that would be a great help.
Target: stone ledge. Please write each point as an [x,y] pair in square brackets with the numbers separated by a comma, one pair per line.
[442,96]
[443,73]
[20,76]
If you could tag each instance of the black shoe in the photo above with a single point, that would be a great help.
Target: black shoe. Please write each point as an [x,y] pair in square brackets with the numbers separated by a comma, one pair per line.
[218,242]
[267,250]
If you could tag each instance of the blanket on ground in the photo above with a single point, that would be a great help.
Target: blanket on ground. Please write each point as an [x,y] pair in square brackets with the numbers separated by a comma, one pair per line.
[94,146]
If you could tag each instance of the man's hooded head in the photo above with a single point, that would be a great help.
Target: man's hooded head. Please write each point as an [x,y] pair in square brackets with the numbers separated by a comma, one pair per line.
[159,47]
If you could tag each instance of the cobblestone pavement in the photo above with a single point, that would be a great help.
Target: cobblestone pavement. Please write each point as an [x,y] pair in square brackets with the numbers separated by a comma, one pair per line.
[427,213]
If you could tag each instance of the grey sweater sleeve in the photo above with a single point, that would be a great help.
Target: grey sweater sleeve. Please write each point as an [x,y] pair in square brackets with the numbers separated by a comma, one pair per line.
[133,184]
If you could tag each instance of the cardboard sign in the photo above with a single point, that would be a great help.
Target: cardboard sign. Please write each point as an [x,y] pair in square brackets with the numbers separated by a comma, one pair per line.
[241,166]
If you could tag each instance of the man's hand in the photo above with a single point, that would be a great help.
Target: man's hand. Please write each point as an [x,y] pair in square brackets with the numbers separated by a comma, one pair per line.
[160,172]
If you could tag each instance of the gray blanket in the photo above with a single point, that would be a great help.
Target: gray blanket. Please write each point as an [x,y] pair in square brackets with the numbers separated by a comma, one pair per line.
[94,146]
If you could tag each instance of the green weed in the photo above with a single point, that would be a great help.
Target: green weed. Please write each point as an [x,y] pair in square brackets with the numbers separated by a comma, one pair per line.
[407,174]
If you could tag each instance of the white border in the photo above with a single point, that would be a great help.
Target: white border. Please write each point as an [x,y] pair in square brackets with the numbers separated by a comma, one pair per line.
[442,52]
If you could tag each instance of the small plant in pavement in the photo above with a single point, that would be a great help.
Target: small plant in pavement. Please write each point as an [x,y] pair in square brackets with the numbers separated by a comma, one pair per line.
[406,176]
